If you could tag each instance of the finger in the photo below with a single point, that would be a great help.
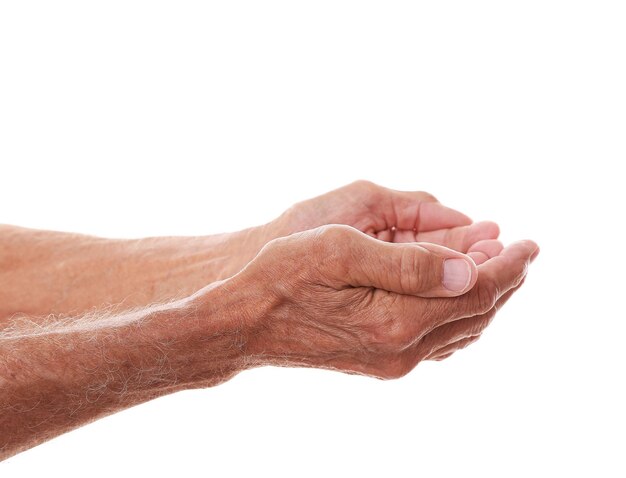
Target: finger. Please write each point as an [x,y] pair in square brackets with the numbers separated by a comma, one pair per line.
[478,257]
[407,211]
[420,212]
[433,215]
[445,336]
[424,217]
[421,196]
[425,270]
[485,250]
[496,277]
[448,350]
[461,238]
[490,248]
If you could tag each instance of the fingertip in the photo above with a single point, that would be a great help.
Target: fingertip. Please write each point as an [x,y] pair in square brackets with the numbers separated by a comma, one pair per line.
[532,244]
[519,251]
[535,254]
[490,229]
[462,219]
[530,248]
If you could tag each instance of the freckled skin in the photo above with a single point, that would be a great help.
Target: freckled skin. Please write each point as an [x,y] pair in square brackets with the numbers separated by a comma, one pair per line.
[351,281]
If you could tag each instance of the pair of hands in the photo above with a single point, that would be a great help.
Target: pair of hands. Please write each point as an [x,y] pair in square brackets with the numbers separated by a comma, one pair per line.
[363,280]
[375,282]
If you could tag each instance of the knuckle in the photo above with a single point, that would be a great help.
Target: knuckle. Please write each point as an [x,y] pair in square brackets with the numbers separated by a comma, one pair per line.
[363,184]
[276,246]
[390,336]
[323,234]
[332,234]
[328,249]
[390,330]
[325,240]
[398,336]
[396,368]
[333,241]
[427,197]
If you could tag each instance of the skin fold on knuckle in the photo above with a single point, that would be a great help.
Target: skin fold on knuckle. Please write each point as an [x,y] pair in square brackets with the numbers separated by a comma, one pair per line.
[388,335]
[330,252]
[395,367]
[332,238]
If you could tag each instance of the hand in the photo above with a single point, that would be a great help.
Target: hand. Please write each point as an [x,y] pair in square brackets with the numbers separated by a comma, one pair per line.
[339,299]
[386,214]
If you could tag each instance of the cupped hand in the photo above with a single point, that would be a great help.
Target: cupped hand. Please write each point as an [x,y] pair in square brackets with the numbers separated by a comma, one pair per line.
[382,213]
[389,215]
[336,298]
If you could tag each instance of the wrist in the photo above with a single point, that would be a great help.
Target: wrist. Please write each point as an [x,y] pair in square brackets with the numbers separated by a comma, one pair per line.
[164,268]
[227,318]
[228,253]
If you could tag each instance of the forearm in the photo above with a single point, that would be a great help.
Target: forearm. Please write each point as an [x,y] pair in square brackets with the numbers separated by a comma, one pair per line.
[61,375]
[44,272]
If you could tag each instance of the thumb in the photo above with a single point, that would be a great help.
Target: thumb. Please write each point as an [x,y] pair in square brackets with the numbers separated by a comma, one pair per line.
[421,269]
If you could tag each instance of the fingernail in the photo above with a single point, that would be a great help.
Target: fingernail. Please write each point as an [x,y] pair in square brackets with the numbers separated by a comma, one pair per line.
[457,274]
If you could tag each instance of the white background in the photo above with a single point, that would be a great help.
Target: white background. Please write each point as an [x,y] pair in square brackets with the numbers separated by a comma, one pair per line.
[126,118]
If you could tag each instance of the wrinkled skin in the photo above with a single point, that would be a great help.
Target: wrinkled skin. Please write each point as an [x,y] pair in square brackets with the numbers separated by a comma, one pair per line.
[398,217]
[364,306]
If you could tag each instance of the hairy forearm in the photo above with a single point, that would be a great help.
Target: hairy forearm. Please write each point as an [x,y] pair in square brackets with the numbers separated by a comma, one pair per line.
[60,375]
[44,272]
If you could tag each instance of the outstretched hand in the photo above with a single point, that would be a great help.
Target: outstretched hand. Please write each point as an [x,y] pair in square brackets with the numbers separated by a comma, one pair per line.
[389,215]
[339,299]
[382,213]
